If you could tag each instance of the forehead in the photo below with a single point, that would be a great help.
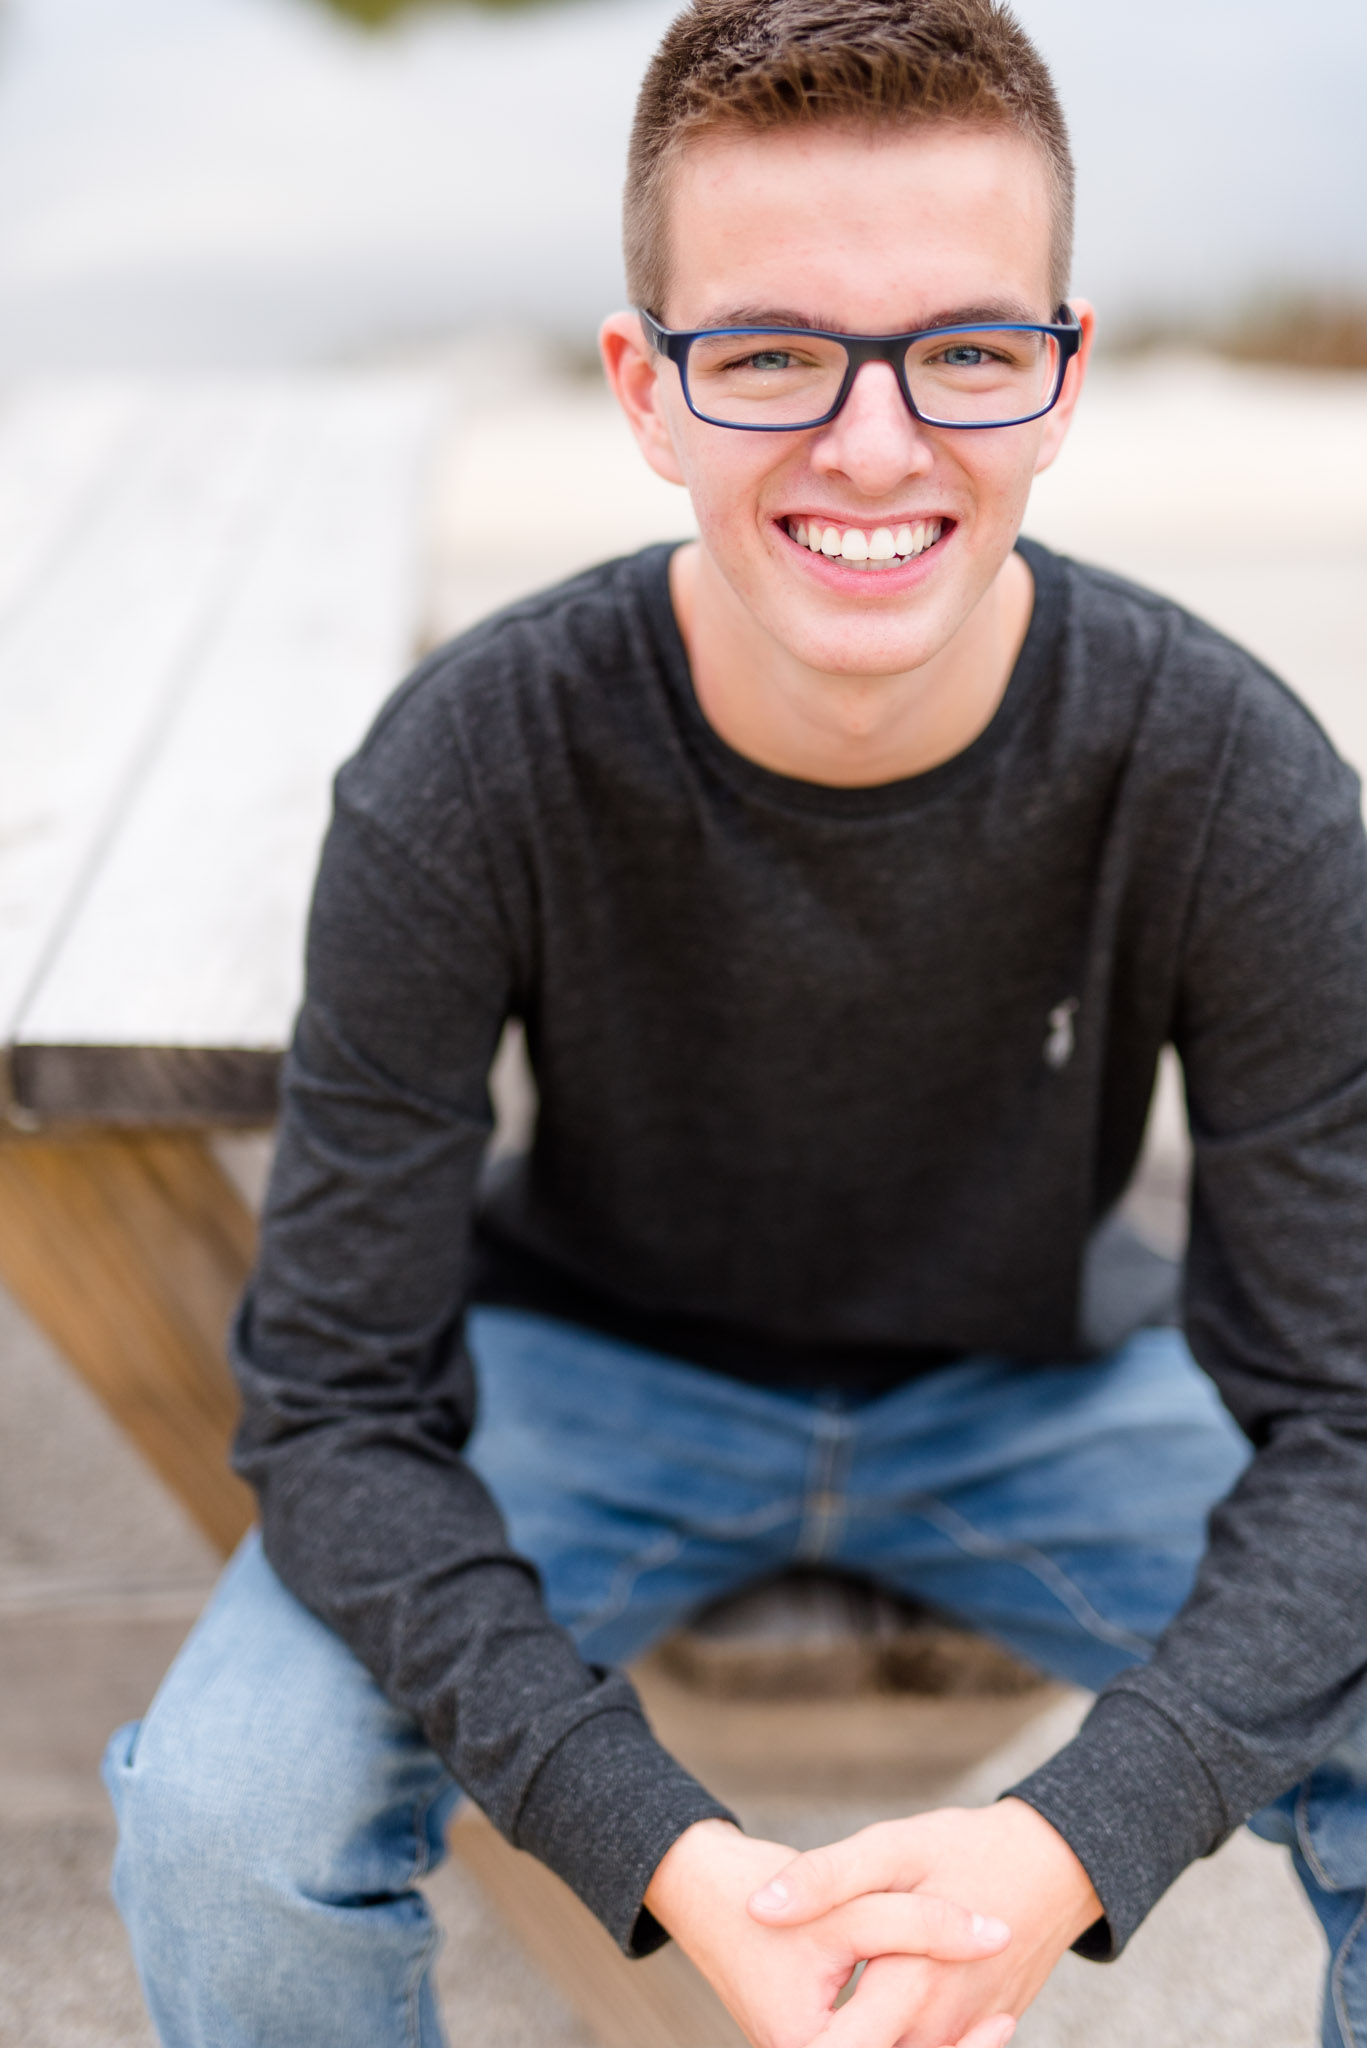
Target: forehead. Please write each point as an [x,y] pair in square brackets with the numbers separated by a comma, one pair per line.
[870,230]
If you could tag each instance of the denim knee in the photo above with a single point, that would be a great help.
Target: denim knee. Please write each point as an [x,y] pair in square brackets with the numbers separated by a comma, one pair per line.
[185,1840]
[261,1910]
[274,1809]
[271,1758]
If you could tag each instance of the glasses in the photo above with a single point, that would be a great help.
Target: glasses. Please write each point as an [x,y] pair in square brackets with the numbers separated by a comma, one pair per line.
[777,380]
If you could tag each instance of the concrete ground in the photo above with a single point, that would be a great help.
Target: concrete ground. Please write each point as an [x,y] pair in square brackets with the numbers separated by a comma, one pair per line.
[1180,475]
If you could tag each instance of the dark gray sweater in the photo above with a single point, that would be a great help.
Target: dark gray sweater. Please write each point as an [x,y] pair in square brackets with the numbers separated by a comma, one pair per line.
[835,1084]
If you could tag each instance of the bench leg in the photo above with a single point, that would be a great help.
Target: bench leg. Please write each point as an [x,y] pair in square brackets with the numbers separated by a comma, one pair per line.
[129,1250]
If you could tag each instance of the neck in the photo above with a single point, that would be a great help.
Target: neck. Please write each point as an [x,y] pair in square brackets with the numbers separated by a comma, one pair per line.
[848,731]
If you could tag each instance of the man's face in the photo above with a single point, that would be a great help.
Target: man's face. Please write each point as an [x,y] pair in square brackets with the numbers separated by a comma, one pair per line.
[874,232]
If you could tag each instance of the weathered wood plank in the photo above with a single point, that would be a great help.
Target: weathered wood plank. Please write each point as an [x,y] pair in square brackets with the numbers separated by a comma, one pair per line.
[58,444]
[205,885]
[133,1086]
[660,2003]
[131,1251]
[92,659]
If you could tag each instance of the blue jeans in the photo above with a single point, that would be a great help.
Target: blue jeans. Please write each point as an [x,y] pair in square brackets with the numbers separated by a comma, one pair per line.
[274,1808]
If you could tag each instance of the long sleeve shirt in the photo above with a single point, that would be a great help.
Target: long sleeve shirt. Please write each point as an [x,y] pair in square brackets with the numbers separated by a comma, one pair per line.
[843,1081]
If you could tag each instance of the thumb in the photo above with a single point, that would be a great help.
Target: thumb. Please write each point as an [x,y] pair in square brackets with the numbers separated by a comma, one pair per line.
[874,1860]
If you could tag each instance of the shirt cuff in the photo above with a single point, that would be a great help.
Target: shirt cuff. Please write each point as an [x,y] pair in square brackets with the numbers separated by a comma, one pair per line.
[602,1810]
[1134,1803]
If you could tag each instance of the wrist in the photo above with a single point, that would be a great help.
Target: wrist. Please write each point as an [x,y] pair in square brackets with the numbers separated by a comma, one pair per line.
[679,1876]
[1073,1896]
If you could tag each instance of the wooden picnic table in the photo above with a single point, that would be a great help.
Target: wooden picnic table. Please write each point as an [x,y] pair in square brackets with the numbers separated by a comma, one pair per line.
[206,590]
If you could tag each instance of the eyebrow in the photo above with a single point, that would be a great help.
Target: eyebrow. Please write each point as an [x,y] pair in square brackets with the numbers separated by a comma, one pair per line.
[955,316]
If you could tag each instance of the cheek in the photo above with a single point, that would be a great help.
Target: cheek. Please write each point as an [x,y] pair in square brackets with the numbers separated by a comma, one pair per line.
[726,475]
[729,476]
[1004,469]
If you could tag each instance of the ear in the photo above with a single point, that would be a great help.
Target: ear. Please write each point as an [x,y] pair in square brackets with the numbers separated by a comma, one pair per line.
[637,376]
[1057,423]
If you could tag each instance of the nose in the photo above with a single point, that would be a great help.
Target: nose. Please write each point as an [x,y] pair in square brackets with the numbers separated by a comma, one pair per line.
[875,440]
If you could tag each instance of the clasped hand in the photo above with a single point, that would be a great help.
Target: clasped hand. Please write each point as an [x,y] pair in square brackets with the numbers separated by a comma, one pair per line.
[959,1917]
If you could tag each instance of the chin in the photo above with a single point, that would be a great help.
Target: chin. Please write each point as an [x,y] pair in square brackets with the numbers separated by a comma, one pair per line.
[868,665]
[859,647]
[854,634]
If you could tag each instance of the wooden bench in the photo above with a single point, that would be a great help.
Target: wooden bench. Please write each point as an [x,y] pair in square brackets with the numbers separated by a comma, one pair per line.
[205,593]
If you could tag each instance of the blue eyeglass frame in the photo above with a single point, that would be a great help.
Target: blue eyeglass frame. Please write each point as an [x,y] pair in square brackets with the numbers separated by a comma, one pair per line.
[675,343]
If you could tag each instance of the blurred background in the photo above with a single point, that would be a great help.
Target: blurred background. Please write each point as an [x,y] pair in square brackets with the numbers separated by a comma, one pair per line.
[214,182]
[276,196]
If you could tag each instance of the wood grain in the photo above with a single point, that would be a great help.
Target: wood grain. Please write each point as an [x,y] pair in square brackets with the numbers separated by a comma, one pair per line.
[189,930]
[130,1251]
[135,1085]
[59,442]
[661,2002]
[95,652]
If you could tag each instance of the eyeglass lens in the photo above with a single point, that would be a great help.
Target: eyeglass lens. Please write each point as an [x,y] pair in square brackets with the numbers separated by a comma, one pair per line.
[982,376]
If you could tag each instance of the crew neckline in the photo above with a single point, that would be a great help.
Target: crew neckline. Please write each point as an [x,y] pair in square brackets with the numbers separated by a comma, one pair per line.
[907,792]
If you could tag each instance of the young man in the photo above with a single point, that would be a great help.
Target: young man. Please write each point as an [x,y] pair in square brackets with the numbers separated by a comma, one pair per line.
[849,870]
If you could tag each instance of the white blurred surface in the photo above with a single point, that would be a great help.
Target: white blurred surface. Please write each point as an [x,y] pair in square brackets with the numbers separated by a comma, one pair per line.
[1239,491]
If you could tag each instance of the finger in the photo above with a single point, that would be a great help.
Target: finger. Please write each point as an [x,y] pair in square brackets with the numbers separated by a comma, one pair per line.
[884,2007]
[878,1859]
[911,1924]
[900,2002]
[993,2033]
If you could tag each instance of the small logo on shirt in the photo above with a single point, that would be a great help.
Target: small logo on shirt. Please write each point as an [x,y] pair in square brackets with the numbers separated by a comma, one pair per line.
[1058,1046]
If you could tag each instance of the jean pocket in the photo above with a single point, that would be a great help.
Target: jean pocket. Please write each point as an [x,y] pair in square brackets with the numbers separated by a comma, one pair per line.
[120,1752]
[1331,1826]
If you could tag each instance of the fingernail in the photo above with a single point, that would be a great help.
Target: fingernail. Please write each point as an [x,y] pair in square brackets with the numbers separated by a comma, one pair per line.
[1007,2031]
[986,1928]
[773,1898]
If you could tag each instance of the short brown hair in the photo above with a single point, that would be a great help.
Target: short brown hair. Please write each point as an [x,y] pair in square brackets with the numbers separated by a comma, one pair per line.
[762,64]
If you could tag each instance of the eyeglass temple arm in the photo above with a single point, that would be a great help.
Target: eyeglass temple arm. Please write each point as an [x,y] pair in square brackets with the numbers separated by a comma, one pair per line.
[658,337]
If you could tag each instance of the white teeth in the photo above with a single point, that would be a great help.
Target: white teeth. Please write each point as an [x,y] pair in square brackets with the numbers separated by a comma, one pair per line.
[862,550]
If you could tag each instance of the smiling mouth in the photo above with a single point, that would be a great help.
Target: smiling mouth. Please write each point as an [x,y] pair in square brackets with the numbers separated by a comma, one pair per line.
[855,547]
